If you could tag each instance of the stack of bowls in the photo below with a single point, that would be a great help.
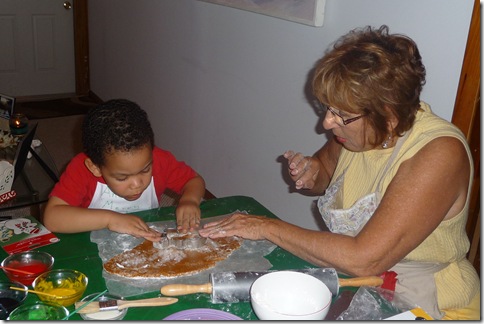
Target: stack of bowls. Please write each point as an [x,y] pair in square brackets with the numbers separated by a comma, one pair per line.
[35,262]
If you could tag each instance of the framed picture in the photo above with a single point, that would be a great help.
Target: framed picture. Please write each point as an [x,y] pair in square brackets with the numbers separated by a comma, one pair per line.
[308,12]
[6,106]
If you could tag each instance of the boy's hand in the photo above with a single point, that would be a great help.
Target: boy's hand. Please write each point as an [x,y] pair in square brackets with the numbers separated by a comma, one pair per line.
[187,216]
[132,225]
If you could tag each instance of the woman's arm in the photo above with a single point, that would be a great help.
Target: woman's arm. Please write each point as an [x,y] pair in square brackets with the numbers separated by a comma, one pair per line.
[427,189]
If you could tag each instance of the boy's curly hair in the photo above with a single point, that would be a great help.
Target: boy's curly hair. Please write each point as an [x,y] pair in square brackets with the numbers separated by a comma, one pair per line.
[115,125]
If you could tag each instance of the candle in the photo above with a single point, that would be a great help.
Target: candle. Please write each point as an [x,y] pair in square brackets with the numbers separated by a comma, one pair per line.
[19,124]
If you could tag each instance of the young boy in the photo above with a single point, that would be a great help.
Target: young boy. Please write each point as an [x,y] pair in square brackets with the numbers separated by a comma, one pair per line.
[121,171]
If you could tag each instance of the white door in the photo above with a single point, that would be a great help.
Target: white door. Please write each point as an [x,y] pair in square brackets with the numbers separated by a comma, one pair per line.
[36,48]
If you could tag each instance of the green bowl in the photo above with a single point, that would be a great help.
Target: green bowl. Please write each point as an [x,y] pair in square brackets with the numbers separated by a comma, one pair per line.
[39,311]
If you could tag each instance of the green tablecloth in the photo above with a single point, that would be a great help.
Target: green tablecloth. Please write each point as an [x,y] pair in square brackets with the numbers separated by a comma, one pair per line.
[76,251]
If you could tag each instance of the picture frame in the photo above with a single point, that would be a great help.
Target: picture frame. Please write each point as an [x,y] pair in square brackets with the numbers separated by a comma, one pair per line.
[7,105]
[308,12]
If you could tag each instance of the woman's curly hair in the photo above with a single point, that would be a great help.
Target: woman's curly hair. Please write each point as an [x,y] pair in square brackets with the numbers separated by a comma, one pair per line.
[369,70]
[116,125]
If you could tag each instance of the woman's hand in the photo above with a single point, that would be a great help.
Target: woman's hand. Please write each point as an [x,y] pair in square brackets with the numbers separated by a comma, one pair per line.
[245,226]
[132,225]
[303,170]
[187,216]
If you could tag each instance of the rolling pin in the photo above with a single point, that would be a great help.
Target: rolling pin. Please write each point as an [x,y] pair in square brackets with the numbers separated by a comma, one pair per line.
[232,287]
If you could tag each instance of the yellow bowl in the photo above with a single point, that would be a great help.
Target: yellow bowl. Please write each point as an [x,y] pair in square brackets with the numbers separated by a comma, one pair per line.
[67,285]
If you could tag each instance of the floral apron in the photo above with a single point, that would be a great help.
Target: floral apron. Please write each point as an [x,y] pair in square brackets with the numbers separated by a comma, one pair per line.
[415,280]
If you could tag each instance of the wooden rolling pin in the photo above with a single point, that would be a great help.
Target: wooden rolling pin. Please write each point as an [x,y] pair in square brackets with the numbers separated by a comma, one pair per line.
[230,287]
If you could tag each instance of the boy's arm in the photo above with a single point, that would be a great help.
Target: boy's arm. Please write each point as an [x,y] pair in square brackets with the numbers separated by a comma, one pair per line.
[193,190]
[61,217]
[188,212]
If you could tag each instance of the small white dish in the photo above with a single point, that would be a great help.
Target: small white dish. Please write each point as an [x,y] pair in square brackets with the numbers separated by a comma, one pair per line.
[110,315]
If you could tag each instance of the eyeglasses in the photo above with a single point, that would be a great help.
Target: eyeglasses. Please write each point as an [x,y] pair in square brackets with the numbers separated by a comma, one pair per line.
[340,120]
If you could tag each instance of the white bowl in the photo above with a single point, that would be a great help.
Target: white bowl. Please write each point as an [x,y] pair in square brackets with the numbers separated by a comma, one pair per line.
[289,295]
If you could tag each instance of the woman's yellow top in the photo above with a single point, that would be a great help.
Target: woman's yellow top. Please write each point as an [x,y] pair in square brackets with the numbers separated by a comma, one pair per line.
[458,283]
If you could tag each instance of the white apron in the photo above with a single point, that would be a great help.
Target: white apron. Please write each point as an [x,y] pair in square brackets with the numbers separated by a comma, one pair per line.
[415,280]
[104,198]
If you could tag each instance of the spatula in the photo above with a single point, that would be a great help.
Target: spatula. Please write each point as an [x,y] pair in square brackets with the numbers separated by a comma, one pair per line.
[109,305]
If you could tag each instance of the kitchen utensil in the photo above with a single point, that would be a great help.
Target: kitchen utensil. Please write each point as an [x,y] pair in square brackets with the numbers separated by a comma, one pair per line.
[33,292]
[112,304]
[17,270]
[89,299]
[230,287]
[182,241]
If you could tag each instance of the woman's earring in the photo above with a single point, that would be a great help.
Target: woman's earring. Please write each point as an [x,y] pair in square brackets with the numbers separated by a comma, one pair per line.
[386,143]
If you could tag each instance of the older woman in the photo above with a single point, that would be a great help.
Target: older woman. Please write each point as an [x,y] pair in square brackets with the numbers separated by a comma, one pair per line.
[394,179]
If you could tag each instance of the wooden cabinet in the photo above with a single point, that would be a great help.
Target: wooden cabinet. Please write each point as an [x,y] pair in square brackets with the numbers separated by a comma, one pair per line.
[467,116]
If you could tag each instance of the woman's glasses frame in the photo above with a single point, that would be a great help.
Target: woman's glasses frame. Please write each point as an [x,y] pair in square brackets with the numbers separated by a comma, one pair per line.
[341,118]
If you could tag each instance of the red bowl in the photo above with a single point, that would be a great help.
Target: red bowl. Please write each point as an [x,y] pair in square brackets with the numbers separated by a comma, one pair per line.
[35,262]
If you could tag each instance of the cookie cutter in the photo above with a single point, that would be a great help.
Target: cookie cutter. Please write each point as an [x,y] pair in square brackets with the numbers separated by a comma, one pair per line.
[170,237]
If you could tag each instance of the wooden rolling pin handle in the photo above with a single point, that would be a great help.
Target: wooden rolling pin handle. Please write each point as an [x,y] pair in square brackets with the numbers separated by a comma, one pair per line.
[180,289]
[372,281]
[146,302]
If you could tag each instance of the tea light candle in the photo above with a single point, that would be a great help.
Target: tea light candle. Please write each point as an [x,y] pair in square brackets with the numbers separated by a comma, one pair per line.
[19,124]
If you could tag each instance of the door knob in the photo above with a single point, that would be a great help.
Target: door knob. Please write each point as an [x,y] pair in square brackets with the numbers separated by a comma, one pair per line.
[67,5]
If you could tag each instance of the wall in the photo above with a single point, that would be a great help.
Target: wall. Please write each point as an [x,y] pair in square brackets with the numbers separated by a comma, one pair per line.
[226,88]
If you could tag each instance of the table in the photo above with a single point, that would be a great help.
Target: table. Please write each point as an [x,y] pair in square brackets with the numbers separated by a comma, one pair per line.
[34,184]
[76,251]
